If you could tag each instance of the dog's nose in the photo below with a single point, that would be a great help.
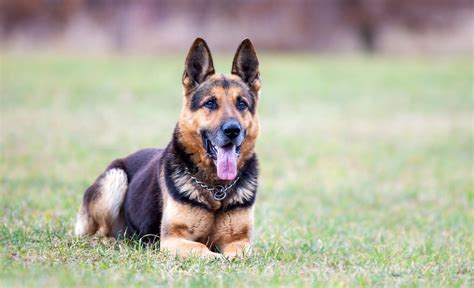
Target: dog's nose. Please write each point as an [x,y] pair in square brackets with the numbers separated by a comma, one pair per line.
[231,129]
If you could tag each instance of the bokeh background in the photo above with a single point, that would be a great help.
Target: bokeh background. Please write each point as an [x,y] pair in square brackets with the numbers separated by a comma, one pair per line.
[366,146]
[402,26]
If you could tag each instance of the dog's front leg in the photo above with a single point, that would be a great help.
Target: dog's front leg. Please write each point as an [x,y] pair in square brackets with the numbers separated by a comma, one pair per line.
[233,231]
[182,225]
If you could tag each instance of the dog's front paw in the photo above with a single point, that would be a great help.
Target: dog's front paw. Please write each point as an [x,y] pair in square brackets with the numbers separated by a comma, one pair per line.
[238,252]
[211,255]
[208,255]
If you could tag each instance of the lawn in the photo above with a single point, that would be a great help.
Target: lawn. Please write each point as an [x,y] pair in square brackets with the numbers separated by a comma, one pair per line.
[366,170]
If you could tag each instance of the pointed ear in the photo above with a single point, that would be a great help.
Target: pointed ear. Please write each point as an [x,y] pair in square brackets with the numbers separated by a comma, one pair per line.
[198,64]
[245,64]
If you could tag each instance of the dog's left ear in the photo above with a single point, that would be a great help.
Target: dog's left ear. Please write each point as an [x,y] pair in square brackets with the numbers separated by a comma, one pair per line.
[245,64]
[198,64]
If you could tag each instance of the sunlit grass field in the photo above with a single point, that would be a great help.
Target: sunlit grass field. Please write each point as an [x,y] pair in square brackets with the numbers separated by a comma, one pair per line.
[366,170]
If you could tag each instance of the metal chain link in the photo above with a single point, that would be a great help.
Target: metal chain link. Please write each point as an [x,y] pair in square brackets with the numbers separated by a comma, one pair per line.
[218,192]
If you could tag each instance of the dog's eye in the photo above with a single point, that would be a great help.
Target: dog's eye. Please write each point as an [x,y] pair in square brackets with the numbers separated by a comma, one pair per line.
[241,105]
[211,104]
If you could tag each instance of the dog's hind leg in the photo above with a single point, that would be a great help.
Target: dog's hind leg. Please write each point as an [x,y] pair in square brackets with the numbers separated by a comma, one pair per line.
[100,211]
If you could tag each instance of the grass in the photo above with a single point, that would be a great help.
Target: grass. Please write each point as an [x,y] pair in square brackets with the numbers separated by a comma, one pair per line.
[366,171]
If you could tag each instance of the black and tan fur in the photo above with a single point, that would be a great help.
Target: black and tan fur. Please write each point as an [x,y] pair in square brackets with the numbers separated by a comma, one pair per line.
[150,194]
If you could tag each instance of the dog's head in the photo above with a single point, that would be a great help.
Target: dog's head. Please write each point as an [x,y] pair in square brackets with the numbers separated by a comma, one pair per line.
[218,125]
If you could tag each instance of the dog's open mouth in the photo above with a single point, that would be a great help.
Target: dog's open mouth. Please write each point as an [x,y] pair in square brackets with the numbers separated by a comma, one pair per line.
[225,158]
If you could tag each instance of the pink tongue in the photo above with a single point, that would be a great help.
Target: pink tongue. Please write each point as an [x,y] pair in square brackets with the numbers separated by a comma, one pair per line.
[226,163]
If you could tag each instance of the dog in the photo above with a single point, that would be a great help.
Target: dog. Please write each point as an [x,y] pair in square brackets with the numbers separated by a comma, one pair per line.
[196,195]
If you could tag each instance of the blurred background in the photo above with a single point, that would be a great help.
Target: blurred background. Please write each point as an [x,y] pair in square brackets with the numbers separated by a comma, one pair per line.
[150,26]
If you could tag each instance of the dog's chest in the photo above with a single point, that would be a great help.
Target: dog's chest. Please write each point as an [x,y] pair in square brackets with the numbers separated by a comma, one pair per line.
[212,229]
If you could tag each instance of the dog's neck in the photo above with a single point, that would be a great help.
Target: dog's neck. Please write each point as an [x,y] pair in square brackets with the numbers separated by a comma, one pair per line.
[180,171]
[182,185]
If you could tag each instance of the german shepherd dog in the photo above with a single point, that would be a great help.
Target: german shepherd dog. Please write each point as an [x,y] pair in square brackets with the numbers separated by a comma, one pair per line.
[197,194]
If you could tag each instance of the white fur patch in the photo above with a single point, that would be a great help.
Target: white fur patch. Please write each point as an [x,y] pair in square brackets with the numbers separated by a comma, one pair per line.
[113,188]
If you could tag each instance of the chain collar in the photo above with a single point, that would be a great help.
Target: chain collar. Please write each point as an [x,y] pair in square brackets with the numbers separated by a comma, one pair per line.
[219,192]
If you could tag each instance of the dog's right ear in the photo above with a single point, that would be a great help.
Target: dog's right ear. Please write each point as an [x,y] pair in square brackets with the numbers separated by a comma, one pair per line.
[198,64]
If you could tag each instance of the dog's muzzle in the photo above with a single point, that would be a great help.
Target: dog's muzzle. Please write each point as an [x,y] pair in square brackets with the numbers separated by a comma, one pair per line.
[223,146]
